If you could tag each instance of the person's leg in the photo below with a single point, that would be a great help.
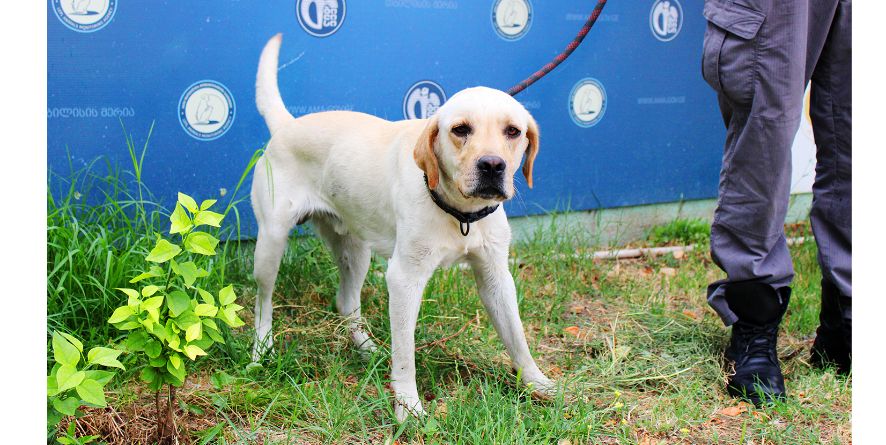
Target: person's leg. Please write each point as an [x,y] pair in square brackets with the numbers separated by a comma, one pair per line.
[831,215]
[756,59]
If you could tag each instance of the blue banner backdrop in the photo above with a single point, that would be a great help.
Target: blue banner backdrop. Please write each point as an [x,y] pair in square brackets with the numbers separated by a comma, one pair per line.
[626,120]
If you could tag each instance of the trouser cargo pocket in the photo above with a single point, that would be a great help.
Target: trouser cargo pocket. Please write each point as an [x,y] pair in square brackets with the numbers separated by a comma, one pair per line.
[729,55]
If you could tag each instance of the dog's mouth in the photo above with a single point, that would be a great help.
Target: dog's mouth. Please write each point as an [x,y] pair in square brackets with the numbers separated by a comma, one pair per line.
[492,192]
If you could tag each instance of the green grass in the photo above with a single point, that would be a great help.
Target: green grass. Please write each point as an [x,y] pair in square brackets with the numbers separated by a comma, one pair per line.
[680,231]
[634,342]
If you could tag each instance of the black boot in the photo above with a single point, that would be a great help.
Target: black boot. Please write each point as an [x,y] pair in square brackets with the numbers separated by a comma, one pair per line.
[833,340]
[751,358]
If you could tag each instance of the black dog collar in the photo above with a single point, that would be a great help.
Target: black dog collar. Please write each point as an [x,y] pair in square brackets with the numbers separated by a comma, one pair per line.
[464,219]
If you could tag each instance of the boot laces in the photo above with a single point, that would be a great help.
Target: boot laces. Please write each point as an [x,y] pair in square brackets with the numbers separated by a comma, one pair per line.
[759,340]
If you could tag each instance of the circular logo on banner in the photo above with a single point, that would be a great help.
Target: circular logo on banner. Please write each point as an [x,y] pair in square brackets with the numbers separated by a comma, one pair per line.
[587,102]
[85,15]
[511,19]
[320,18]
[666,19]
[206,110]
[422,100]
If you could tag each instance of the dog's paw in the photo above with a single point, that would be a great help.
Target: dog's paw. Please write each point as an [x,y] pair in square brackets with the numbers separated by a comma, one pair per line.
[365,346]
[260,350]
[405,406]
[542,388]
[362,341]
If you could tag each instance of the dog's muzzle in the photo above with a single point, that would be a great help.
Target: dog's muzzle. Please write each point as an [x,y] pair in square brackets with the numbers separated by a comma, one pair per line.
[490,178]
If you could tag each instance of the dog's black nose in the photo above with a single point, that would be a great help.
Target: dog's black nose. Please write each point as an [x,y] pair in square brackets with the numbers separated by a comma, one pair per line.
[491,165]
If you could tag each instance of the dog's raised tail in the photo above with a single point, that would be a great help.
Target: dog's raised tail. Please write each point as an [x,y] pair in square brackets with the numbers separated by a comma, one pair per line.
[267,93]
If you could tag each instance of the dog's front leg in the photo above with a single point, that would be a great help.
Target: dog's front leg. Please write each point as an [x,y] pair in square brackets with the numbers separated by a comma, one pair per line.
[499,296]
[406,282]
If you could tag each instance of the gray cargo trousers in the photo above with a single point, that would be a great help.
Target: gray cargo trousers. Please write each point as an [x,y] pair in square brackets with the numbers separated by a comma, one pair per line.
[759,56]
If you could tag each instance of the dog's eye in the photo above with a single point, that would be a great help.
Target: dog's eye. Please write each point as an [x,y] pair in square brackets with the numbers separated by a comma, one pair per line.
[512,131]
[461,130]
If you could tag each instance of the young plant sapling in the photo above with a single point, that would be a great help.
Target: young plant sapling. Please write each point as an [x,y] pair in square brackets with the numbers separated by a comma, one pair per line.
[171,319]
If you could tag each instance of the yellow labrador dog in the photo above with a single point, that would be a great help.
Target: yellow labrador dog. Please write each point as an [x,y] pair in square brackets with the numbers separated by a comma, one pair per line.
[424,193]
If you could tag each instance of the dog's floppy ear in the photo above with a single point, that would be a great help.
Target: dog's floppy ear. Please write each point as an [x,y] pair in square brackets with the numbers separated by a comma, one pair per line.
[531,150]
[424,154]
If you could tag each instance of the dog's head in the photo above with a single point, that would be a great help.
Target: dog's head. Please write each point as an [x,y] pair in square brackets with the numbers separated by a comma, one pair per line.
[474,144]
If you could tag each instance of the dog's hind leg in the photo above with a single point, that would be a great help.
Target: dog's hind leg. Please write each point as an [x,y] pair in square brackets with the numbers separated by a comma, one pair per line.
[269,250]
[277,212]
[352,257]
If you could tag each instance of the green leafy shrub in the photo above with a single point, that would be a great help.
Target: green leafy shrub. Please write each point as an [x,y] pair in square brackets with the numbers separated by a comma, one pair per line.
[101,221]
[170,318]
[75,381]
